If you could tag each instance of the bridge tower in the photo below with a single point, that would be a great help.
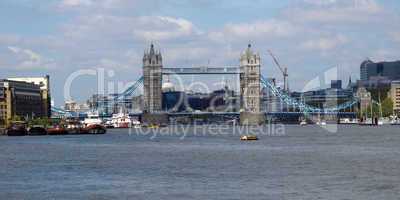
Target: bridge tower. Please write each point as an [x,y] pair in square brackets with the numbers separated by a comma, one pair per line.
[250,88]
[152,71]
[152,83]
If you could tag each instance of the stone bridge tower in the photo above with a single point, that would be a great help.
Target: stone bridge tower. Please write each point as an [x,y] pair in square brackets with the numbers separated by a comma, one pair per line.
[152,73]
[250,88]
[152,83]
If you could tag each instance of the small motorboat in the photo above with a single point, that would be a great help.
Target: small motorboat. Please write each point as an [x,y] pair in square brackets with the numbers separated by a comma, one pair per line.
[17,129]
[303,123]
[248,137]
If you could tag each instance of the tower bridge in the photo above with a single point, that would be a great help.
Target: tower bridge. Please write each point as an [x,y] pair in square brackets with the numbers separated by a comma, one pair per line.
[249,72]
[251,84]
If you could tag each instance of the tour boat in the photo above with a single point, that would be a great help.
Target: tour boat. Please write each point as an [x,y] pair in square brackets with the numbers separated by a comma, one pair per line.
[248,137]
[92,119]
[123,120]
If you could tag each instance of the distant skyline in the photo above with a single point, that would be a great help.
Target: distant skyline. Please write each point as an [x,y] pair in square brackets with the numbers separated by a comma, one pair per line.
[58,37]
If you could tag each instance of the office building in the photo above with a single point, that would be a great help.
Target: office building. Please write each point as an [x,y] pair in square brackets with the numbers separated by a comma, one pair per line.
[395,95]
[73,106]
[21,99]
[388,70]
[336,84]
[44,84]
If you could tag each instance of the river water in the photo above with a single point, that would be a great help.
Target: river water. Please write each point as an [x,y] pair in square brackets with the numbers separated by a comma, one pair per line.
[297,163]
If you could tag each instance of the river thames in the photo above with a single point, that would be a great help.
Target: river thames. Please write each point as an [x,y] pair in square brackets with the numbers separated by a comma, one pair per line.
[298,163]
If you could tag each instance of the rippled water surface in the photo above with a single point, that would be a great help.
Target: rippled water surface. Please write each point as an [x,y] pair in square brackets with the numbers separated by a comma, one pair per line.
[304,163]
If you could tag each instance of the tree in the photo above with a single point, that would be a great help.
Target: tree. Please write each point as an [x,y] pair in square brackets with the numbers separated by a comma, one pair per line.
[387,107]
[39,122]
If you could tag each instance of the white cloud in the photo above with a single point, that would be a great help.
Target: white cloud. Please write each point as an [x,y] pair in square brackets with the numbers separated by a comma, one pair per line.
[76,3]
[28,59]
[395,36]
[324,43]
[320,2]
[31,55]
[336,11]
[258,29]
[143,28]
[162,28]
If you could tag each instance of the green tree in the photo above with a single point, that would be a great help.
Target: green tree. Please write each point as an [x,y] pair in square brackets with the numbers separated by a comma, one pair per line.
[39,122]
[387,107]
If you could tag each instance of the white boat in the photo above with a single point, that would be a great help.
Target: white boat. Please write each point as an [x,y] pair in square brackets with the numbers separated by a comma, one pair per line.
[123,120]
[348,121]
[92,119]
[372,122]
[303,123]
[395,122]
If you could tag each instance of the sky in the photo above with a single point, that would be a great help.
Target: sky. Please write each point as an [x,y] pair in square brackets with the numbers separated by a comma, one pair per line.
[310,37]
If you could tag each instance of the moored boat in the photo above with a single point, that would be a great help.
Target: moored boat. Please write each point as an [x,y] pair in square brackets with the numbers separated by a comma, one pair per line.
[37,130]
[94,129]
[92,119]
[17,128]
[57,130]
[123,120]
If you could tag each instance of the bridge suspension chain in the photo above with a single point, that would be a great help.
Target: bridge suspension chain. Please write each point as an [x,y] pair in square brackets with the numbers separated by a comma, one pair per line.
[288,100]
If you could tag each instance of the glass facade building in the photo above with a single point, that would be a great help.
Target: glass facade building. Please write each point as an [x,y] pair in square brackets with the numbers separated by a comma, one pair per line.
[389,70]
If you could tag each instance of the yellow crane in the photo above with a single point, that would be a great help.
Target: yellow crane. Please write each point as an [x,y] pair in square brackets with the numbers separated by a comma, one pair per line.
[284,71]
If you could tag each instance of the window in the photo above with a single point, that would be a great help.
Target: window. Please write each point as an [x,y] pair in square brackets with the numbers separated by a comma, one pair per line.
[379,69]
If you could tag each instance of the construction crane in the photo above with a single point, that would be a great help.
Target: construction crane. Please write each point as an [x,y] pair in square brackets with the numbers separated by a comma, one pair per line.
[283,70]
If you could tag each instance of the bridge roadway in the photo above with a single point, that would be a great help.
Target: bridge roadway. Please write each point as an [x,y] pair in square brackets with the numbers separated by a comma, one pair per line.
[201,70]
[269,114]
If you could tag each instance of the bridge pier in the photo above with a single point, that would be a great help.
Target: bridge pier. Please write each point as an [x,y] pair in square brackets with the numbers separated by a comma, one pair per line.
[155,118]
[252,119]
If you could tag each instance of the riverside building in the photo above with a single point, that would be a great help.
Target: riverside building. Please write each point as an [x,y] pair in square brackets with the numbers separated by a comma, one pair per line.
[23,99]
[395,95]
[44,84]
